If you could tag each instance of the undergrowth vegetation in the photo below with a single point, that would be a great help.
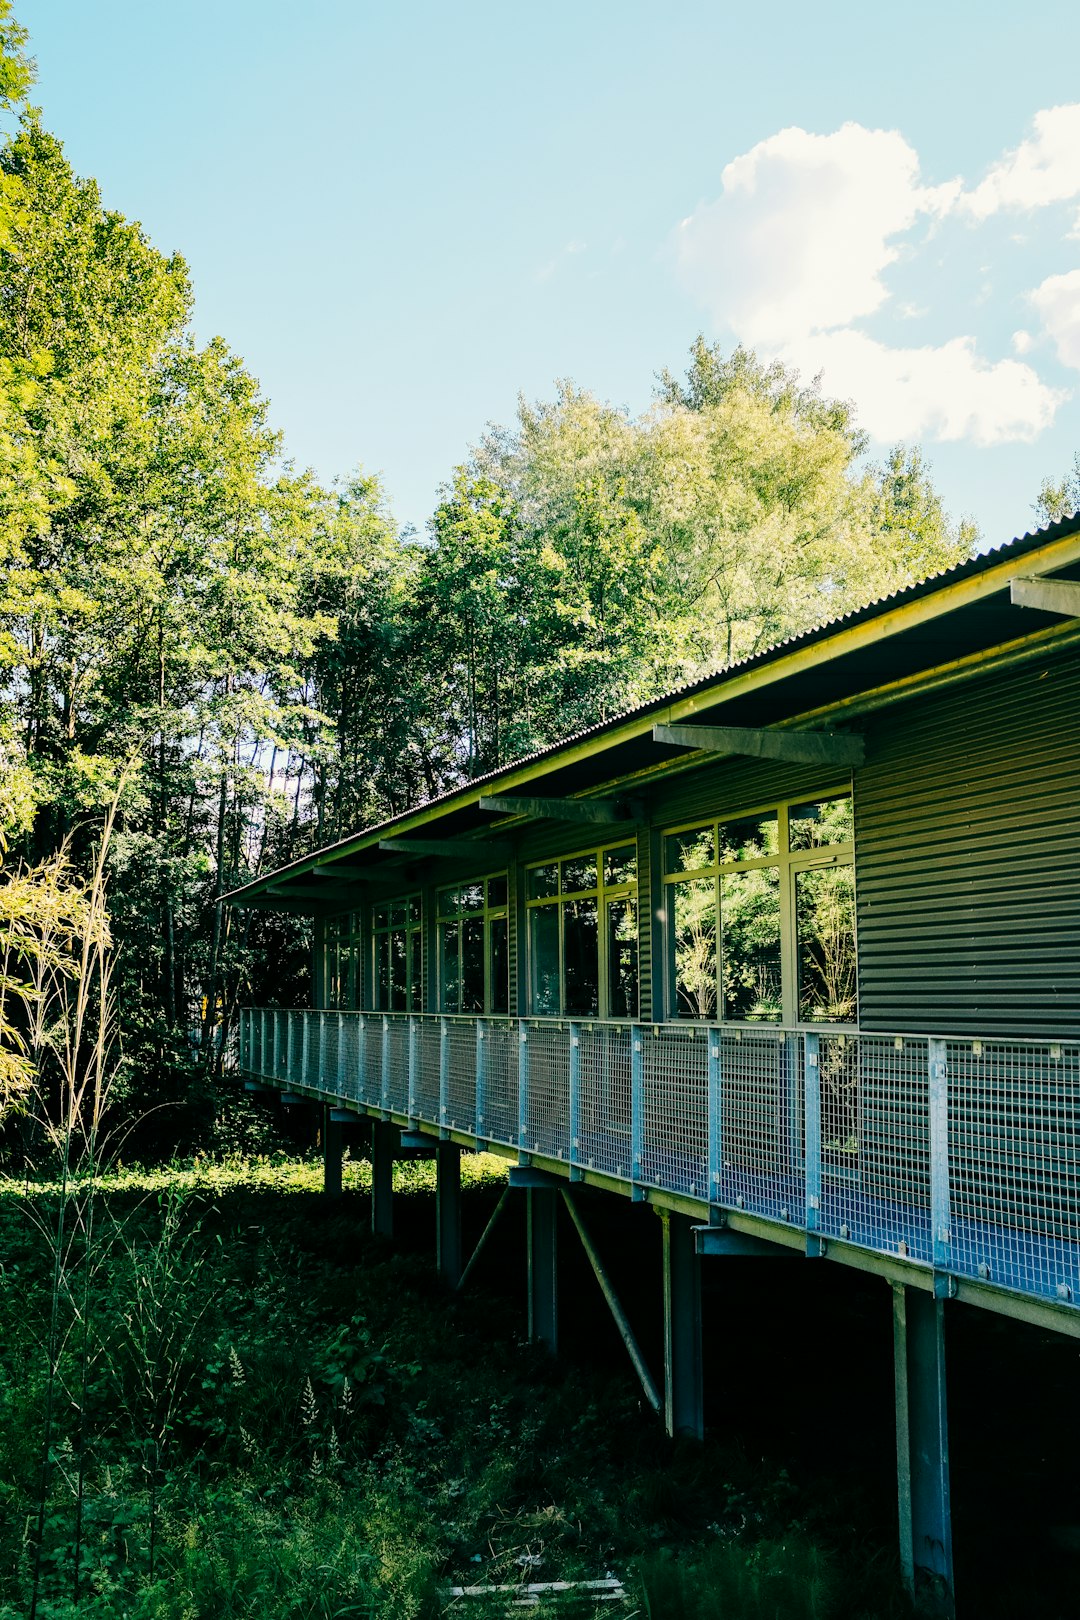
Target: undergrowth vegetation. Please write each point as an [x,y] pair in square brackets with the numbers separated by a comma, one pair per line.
[254,1408]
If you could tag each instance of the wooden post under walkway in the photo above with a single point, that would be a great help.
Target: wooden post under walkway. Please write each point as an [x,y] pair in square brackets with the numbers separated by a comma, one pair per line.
[922,1449]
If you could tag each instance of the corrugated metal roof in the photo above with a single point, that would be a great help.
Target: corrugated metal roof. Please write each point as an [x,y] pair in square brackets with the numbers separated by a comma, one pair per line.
[1018,547]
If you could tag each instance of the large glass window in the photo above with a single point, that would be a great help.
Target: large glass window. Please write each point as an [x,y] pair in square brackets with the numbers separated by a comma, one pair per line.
[474,956]
[399,955]
[761,915]
[583,934]
[341,960]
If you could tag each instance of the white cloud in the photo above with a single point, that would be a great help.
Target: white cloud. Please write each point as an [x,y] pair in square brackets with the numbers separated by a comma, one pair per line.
[793,254]
[803,230]
[1043,169]
[1057,300]
[946,390]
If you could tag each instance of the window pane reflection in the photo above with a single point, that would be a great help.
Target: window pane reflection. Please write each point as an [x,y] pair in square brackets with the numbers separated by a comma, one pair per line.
[695,948]
[500,966]
[750,961]
[579,873]
[544,960]
[816,826]
[825,927]
[543,882]
[689,851]
[472,965]
[622,959]
[581,943]
[620,866]
[749,838]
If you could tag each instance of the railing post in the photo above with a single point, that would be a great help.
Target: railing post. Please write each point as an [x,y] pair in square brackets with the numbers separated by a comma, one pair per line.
[277,1042]
[637,1112]
[262,1042]
[444,1076]
[716,1118]
[361,1056]
[320,1078]
[339,1075]
[241,1033]
[411,1106]
[305,1047]
[523,1085]
[384,1087]
[940,1218]
[575,1102]
[480,1098]
[812,1129]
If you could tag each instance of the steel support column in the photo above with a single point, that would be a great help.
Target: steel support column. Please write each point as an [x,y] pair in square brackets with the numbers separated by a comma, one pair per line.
[384,1144]
[541,1214]
[331,1154]
[683,1383]
[448,1212]
[922,1449]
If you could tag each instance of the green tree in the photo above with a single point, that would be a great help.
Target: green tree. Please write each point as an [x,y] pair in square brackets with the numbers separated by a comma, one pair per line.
[1059,498]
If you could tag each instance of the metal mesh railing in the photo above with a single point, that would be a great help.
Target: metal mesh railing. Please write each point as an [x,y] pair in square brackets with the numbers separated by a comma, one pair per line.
[547,1115]
[674,1135]
[875,1142]
[461,1075]
[961,1154]
[1014,1165]
[501,1049]
[602,1128]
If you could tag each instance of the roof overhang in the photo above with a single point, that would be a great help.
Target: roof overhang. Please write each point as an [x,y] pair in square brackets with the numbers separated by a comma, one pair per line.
[949,629]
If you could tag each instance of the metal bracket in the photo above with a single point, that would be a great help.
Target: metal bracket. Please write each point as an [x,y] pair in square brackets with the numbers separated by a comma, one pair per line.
[524,1176]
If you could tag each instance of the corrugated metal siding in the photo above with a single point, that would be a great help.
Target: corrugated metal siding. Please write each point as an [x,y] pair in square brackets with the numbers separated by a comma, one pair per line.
[967,850]
[646,924]
[513,936]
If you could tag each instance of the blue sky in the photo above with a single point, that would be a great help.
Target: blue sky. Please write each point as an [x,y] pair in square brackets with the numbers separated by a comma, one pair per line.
[403,215]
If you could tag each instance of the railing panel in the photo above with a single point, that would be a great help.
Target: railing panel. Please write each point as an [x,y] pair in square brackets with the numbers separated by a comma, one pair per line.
[294,1067]
[501,1080]
[396,1095]
[461,1078]
[675,1101]
[1014,1164]
[604,1108]
[875,1142]
[548,1114]
[329,1057]
[349,1049]
[426,1079]
[761,1122]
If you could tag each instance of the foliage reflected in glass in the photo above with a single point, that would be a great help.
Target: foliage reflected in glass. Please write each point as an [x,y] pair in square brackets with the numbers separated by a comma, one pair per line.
[748,839]
[581,956]
[689,851]
[620,866]
[820,825]
[579,873]
[472,965]
[750,961]
[694,926]
[825,929]
[622,959]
